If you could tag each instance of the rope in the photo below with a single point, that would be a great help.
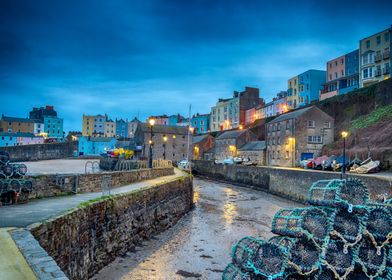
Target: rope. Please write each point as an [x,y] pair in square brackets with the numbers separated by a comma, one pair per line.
[378,247]
[337,276]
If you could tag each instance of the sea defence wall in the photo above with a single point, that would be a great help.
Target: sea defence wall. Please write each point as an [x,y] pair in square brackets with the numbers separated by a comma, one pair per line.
[290,183]
[60,184]
[41,151]
[86,239]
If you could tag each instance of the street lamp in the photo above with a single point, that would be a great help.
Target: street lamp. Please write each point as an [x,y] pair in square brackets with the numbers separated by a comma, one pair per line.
[344,136]
[241,127]
[151,121]
[164,146]
[292,141]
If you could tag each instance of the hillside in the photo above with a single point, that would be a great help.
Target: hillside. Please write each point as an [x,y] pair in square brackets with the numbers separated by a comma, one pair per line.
[369,134]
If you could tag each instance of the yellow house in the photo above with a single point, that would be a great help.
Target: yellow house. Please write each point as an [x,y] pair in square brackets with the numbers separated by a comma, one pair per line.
[88,125]
[292,92]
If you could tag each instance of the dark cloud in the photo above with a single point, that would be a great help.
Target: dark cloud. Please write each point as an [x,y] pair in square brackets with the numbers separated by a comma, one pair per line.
[157,56]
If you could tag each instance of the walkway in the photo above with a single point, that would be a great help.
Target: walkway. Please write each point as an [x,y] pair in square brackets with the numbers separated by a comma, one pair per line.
[199,245]
[22,215]
[12,263]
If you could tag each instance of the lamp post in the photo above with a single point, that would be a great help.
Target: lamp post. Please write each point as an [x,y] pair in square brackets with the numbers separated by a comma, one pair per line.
[151,122]
[164,146]
[292,141]
[344,136]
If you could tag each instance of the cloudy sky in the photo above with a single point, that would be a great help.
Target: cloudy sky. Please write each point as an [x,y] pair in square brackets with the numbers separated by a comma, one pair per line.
[128,58]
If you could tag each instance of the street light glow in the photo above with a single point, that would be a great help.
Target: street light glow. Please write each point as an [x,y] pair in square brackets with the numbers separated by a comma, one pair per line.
[151,121]
[344,134]
[165,138]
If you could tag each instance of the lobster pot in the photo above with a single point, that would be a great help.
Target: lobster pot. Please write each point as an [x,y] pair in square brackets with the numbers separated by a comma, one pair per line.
[7,170]
[379,224]
[348,194]
[337,260]
[4,158]
[233,272]
[270,261]
[20,169]
[348,227]
[244,251]
[304,257]
[325,274]
[358,274]
[283,241]
[310,222]
[372,260]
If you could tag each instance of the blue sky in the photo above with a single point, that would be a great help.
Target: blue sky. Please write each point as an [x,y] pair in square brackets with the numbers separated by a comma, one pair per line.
[128,58]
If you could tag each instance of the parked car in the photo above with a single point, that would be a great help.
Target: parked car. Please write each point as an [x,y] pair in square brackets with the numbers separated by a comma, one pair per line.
[229,161]
[184,164]
[327,164]
[238,160]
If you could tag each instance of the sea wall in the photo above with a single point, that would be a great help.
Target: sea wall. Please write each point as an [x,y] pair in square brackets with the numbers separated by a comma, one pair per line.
[91,236]
[60,184]
[290,183]
[41,151]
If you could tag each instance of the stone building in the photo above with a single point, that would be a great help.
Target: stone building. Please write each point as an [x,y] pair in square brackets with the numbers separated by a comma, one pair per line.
[14,125]
[201,144]
[254,151]
[174,148]
[227,144]
[298,135]
[132,125]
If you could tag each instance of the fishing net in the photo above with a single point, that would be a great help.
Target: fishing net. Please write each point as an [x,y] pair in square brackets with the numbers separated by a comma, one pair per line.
[379,225]
[4,158]
[371,259]
[233,272]
[304,257]
[283,241]
[358,274]
[325,274]
[269,261]
[244,251]
[348,227]
[349,194]
[339,262]
[310,222]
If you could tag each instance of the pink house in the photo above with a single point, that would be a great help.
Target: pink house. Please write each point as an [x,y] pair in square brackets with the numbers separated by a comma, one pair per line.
[28,139]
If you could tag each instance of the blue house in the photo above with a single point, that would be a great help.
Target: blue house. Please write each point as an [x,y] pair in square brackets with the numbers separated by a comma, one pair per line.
[8,139]
[174,119]
[351,80]
[53,126]
[121,128]
[94,146]
[309,85]
[201,123]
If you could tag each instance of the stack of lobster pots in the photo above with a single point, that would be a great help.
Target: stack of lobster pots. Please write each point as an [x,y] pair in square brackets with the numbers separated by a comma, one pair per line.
[14,187]
[341,235]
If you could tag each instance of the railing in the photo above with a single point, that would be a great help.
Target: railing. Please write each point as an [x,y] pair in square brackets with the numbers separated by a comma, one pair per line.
[127,165]
[385,71]
[377,73]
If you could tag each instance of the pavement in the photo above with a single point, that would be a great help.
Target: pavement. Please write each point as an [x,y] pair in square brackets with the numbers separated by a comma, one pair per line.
[57,166]
[199,245]
[13,265]
[38,210]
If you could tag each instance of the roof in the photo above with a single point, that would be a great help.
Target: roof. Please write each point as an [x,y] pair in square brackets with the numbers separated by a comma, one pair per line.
[14,119]
[231,134]
[98,139]
[18,134]
[168,129]
[291,115]
[253,146]
[135,120]
[198,138]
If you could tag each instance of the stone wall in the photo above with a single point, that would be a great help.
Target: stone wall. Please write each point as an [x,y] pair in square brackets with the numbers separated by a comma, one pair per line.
[291,183]
[41,151]
[52,185]
[88,238]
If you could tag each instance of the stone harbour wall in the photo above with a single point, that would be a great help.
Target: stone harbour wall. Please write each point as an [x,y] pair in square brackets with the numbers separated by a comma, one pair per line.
[60,184]
[41,151]
[88,238]
[290,183]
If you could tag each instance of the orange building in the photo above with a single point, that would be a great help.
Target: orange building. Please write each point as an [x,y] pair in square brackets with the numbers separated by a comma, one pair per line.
[14,125]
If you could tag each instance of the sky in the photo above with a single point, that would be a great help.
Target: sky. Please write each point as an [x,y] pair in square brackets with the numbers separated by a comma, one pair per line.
[132,58]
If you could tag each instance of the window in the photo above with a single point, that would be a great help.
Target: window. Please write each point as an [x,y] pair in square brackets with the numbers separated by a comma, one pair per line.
[378,39]
[336,63]
[342,73]
[315,139]
[311,124]
[386,36]
[365,73]
[278,126]
[341,61]
[330,77]
[278,156]
[336,74]
[368,44]
[330,65]
[327,124]
[279,141]
[287,125]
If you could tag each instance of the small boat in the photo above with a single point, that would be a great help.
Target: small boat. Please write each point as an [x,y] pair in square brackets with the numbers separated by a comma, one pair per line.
[369,167]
